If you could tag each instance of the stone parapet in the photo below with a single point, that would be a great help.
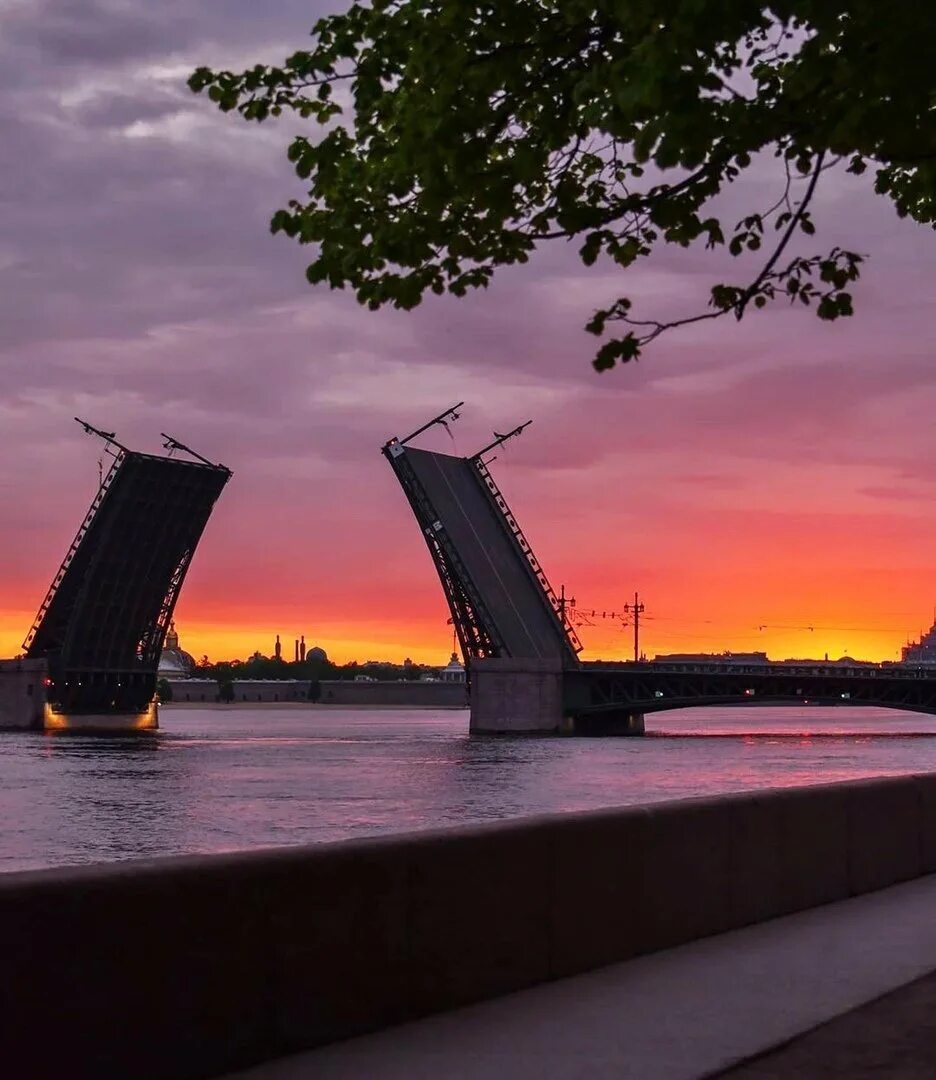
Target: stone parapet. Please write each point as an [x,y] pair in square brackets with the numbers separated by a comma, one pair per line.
[195,966]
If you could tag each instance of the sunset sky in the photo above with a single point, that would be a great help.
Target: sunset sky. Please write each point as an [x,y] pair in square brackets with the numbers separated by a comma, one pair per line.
[775,474]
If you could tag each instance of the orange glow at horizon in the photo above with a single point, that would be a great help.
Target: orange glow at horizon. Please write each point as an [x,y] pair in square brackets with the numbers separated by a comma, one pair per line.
[745,566]
[425,637]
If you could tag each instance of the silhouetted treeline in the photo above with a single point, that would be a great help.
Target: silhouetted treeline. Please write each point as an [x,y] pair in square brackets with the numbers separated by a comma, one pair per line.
[264,667]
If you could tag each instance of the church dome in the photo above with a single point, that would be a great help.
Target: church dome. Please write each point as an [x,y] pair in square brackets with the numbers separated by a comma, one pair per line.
[315,653]
[174,662]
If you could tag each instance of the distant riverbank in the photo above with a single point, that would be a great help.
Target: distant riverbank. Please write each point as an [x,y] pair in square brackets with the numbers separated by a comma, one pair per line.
[307,706]
[363,693]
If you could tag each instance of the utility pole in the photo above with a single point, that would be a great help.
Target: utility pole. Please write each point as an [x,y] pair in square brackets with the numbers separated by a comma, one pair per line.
[635,609]
[625,614]
[567,602]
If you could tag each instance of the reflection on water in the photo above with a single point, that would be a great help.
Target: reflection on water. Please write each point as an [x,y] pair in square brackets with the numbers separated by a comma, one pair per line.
[223,779]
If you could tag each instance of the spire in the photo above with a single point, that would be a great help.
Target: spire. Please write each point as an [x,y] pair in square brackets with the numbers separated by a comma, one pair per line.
[302,648]
[278,649]
[172,638]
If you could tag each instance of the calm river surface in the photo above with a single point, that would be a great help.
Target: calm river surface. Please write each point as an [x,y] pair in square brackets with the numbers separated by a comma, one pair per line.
[222,779]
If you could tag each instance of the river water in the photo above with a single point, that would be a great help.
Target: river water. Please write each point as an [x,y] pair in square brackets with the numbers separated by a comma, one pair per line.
[221,779]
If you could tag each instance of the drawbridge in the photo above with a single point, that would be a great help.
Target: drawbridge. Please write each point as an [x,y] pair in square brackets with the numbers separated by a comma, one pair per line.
[103,622]
[522,652]
[500,599]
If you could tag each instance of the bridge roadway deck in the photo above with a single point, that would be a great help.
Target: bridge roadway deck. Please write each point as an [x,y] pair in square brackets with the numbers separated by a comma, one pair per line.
[596,689]
[689,1012]
[495,564]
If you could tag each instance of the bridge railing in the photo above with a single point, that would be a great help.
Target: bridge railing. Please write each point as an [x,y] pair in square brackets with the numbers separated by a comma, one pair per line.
[102,490]
[890,671]
[555,603]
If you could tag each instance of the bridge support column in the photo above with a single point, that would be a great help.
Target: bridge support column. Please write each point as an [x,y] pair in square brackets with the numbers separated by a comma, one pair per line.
[516,696]
[22,693]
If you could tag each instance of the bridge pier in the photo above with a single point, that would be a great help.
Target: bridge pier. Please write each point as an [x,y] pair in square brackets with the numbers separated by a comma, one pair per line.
[22,693]
[511,696]
[516,696]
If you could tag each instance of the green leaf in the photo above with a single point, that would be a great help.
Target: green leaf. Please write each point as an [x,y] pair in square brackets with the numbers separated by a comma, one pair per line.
[475,132]
[620,349]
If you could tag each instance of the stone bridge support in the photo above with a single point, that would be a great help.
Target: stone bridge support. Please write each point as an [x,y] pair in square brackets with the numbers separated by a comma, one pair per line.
[511,696]
[22,693]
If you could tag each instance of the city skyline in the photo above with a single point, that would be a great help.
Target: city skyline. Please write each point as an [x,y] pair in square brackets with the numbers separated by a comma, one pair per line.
[771,473]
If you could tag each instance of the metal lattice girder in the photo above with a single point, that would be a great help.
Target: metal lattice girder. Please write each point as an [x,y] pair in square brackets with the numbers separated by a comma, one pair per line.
[73,549]
[526,550]
[599,688]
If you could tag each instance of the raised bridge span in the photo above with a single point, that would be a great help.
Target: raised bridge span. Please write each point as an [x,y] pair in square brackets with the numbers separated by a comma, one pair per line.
[103,622]
[501,602]
[521,651]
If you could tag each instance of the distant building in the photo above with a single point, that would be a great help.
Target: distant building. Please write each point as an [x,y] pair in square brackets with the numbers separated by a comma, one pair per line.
[454,670]
[270,689]
[843,661]
[922,651]
[754,658]
[712,658]
[174,663]
[301,652]
[244,690]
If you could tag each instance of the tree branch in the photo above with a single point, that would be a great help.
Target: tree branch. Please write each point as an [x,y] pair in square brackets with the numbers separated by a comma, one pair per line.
[747,294]
[779,249]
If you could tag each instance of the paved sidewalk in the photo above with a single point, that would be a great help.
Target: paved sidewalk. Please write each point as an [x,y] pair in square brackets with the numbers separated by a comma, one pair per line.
[686,1013]
[893,1038]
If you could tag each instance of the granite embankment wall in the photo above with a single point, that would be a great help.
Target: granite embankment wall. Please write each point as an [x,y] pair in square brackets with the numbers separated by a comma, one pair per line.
[192,966]
[409,692]
[330,692]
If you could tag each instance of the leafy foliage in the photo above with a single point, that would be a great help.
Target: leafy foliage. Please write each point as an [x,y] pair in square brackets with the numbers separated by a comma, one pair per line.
[458,135]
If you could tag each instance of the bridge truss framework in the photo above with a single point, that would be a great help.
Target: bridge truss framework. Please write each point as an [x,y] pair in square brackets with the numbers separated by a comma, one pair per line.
[482,624]
[601,690]
[103,622]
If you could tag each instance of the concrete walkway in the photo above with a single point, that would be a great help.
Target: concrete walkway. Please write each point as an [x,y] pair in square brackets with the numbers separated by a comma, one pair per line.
[682,1014]
[892,1037]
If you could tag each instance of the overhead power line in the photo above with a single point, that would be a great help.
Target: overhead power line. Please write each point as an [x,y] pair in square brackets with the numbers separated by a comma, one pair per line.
[627,614]
[812,629]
